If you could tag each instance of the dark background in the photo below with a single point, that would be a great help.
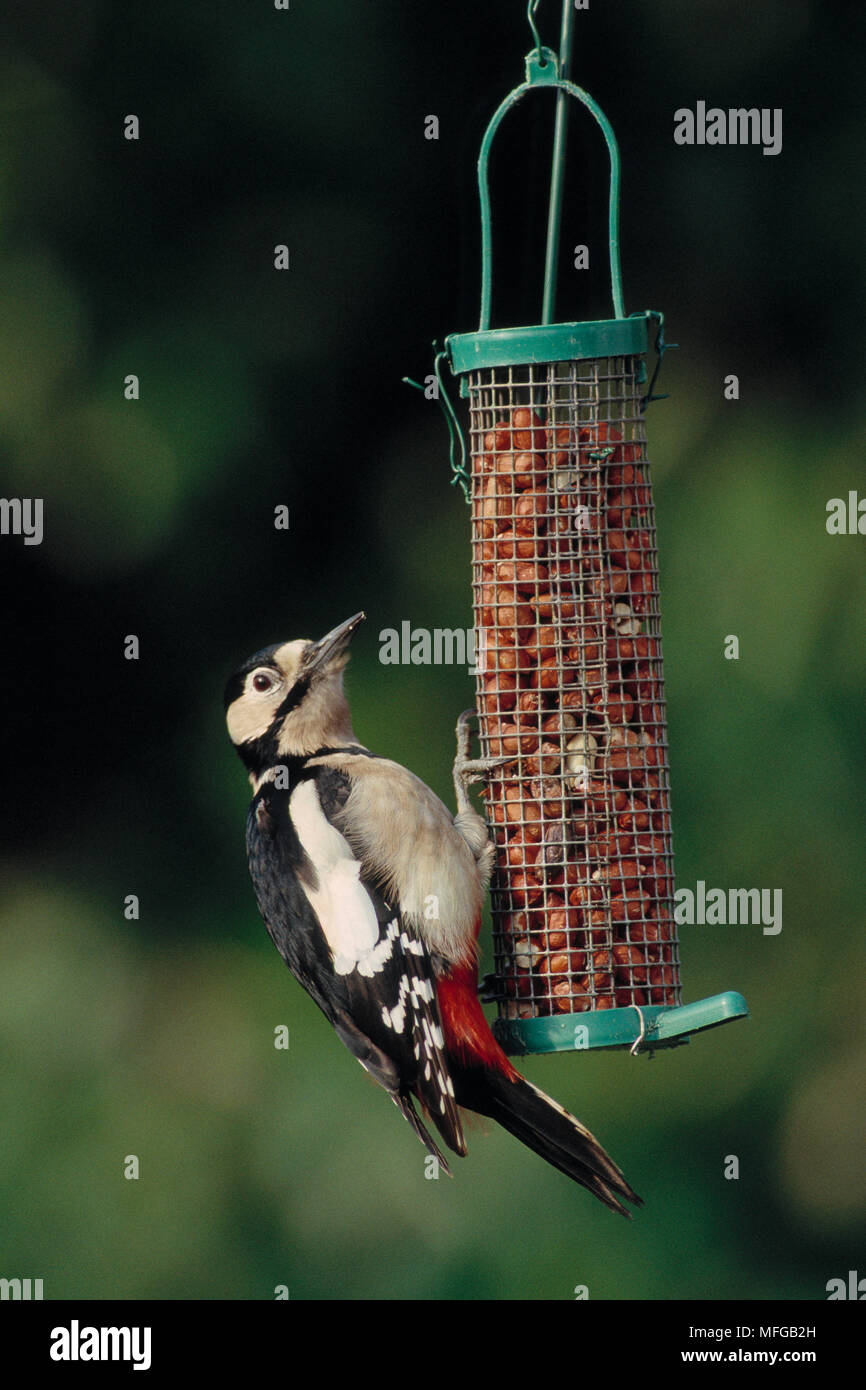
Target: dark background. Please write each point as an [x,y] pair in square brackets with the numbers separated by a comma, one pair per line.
[155,1037]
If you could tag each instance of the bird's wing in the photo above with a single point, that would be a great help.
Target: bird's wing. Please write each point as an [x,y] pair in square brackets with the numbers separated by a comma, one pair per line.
[382,996]
[410,846]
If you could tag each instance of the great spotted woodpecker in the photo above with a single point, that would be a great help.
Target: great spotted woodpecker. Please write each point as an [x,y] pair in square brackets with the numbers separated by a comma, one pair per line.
[372,893]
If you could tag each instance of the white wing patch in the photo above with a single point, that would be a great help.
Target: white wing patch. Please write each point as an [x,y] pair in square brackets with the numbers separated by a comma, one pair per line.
[416,992]
[396,1018]
[340,901]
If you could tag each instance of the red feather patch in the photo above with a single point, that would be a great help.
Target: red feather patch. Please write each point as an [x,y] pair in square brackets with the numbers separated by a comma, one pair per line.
[467,1033]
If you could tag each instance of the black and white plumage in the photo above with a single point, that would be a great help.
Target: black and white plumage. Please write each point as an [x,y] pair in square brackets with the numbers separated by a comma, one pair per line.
[372,893]
[343,939]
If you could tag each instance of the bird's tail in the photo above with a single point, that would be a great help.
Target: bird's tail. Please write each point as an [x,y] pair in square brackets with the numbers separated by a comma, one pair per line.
[543,1125]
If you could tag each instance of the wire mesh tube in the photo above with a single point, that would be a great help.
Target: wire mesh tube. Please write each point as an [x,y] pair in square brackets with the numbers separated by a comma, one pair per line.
[571,690]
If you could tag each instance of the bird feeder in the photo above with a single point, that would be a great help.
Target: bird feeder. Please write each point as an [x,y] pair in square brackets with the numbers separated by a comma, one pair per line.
[570,685]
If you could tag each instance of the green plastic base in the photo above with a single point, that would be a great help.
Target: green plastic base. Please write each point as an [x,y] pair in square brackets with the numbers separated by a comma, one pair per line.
[663,1027]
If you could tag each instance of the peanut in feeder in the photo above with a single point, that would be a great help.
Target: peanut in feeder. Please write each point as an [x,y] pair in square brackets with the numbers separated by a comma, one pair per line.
[570,684]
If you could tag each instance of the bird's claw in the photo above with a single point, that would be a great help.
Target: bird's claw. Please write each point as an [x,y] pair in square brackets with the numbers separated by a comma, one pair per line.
[467,770]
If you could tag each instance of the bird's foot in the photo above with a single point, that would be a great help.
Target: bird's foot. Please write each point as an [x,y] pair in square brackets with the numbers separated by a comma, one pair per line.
[468,770]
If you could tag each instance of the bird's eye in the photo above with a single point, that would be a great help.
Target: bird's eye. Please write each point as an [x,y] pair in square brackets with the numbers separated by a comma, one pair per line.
[262,682]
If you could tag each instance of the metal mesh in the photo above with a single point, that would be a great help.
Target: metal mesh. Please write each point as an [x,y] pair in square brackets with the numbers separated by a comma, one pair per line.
[570,688]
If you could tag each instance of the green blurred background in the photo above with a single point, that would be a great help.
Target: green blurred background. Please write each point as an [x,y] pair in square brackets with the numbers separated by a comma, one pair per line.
[155,1037]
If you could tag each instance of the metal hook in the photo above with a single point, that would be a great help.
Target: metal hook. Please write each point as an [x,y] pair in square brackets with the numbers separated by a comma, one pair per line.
[661,348]
[460,472]
[635,1049]
[531,7]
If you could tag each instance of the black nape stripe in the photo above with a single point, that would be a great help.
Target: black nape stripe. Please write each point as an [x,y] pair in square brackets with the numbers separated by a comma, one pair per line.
[300,766]
[294,698]
[259,753]
[295,765]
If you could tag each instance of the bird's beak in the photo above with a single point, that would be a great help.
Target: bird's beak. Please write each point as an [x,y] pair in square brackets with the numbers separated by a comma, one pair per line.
[320,654]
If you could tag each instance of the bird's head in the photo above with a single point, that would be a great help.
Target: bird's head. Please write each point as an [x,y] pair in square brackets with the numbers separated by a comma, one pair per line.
[288,700]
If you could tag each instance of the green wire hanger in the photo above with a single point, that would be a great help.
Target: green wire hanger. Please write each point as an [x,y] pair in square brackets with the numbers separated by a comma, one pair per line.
[544,68]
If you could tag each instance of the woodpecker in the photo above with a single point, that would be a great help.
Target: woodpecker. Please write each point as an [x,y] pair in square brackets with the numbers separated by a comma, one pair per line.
[372,893]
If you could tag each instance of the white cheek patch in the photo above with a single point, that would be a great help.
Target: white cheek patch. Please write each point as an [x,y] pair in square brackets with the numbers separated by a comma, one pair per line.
[248,718]
[340,901]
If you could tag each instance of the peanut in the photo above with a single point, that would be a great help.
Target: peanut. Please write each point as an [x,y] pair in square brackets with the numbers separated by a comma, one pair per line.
[565,584]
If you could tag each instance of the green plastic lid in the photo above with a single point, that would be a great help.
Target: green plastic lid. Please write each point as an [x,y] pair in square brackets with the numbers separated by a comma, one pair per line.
[554,342]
